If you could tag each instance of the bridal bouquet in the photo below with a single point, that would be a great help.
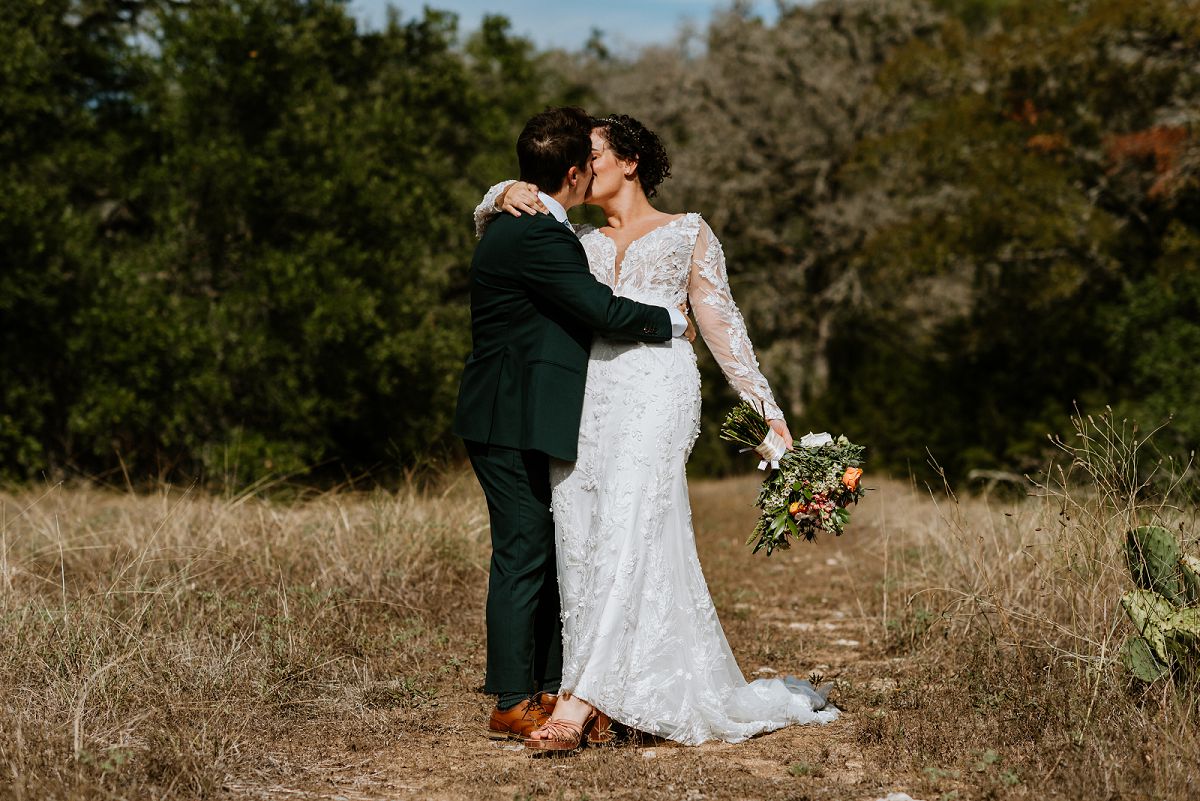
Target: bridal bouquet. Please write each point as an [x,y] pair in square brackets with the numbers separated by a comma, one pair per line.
[809,488]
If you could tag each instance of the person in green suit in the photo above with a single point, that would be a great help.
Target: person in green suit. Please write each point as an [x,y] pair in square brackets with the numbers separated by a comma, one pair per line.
[534,309]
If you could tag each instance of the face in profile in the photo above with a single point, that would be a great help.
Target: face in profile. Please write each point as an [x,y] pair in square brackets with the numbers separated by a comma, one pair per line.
[608,170]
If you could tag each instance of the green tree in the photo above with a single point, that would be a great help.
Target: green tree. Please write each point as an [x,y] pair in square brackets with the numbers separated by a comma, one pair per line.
[938,214]
[257,262]
[67,121]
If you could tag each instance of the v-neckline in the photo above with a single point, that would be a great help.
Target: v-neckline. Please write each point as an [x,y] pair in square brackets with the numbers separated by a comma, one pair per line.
[619,255]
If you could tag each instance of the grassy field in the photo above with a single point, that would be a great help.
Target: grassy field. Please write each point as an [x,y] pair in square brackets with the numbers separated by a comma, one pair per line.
[180,645]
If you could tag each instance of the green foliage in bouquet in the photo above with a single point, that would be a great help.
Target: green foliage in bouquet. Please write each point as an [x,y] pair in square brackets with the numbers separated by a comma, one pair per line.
[745,425]
[811,490]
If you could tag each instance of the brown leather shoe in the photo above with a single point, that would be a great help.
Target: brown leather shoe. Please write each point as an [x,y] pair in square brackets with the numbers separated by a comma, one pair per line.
[547,700]
[601,732]
[516,723]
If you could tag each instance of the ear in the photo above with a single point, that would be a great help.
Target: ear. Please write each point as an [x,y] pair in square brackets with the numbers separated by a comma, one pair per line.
[573,176]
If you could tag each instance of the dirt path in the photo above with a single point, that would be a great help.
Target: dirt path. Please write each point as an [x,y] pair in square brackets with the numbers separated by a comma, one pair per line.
[814,608]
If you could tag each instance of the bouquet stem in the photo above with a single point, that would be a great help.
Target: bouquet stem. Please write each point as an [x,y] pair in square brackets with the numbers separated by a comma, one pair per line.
[745,425]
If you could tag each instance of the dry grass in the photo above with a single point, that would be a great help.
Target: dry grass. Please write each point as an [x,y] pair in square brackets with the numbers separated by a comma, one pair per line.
[1011,607]
[177,645]
[152,646]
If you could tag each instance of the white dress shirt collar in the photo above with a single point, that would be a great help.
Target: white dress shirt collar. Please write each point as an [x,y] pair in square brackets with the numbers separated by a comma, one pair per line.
[556,209]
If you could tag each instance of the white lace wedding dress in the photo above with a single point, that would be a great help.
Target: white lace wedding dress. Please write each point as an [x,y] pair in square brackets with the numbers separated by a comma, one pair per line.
[641,639]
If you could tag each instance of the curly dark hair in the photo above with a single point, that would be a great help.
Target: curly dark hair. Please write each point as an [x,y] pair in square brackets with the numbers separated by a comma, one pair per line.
[632,141]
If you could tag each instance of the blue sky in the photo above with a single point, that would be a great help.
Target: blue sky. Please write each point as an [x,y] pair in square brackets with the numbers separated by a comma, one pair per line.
[567,23]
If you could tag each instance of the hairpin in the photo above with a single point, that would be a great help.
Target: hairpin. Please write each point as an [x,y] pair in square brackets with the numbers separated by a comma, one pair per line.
[614,121]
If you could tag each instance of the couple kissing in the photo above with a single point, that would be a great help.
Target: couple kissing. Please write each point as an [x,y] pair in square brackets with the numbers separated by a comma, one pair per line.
[579,406]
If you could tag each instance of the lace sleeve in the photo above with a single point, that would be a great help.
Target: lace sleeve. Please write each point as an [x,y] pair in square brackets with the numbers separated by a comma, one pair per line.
[722,326]
[486,209]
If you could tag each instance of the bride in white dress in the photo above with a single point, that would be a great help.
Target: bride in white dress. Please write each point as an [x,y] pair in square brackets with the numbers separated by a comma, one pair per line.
[641,639]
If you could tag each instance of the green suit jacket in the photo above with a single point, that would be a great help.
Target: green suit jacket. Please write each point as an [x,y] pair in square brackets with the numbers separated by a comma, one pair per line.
[534,308]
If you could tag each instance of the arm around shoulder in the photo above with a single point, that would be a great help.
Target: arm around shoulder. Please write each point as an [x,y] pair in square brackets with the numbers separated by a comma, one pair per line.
[486,211]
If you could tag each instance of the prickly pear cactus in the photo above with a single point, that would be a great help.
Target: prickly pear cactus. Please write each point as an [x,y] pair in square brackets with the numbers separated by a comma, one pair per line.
[1183,632]
[1189,566]
[1153,556]
[1151,615]
[1139,659]
[1165,609]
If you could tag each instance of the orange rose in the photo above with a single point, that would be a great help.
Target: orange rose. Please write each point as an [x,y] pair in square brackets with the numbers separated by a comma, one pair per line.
[796,508]
[851,477]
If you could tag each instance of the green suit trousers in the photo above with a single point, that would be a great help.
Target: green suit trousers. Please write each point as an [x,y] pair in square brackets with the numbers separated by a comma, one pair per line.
[524,632]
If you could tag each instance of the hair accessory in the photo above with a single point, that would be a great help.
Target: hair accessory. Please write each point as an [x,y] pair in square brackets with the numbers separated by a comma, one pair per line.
[611,120]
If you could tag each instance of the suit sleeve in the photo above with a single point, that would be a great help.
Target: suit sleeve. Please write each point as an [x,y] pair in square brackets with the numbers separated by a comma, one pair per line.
[556,271]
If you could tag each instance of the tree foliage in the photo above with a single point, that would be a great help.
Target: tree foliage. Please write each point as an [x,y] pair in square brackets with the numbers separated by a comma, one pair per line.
[234,234]
[949,222]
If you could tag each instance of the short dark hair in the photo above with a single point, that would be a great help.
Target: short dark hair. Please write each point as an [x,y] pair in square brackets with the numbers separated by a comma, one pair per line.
[551,144]
[632,141]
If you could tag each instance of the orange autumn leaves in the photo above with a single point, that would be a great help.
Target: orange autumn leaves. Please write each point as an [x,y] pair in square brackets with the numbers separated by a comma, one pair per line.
[1157,151]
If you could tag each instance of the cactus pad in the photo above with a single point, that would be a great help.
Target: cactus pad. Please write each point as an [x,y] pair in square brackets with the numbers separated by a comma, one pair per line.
[1153,556]
[1151,615]
[1140,660]
[1183,631]
[1189,566]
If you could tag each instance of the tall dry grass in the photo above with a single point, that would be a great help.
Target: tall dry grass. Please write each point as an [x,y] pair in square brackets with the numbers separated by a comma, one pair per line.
[152,646]
[1012,606]
[176,644]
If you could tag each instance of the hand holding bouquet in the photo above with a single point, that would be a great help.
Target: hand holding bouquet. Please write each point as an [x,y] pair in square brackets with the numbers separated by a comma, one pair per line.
[811,487]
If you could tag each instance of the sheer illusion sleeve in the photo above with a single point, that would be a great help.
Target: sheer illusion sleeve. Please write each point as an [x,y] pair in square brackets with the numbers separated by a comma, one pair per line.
[722,326]
[486,211]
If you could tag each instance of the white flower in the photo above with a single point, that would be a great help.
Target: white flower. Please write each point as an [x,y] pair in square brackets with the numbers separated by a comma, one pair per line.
[811,440]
